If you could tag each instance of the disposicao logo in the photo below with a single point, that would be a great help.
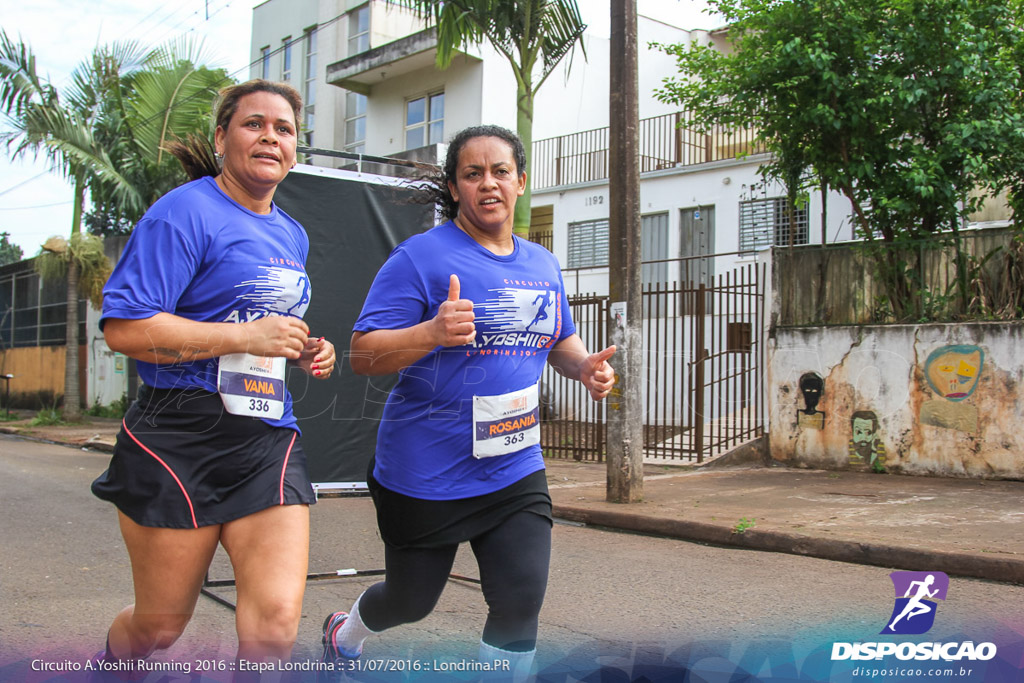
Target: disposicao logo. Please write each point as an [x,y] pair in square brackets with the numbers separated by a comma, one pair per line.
[913,614]
[916,595]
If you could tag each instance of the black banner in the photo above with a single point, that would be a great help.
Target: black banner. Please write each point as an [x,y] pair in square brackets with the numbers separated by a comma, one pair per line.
[353,224]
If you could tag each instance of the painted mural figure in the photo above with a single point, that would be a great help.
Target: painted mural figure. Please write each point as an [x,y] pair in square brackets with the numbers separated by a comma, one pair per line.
[915,606]
[866,447]
[812,386]
[952,373]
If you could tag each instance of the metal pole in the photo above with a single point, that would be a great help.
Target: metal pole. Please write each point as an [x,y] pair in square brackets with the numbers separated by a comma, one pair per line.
[625,405]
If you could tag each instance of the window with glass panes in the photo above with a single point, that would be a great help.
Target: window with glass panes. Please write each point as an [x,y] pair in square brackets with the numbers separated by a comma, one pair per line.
[286,59]
[355,122]
[765,222]
[424,121]
[265,62]
[309,91]
[588,244]
[359,30]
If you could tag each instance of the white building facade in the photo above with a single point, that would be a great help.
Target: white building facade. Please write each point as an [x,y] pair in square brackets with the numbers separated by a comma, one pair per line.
[368,70]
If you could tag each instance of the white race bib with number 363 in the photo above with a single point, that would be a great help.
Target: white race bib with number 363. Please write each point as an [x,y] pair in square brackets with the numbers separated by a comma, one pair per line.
[506,423]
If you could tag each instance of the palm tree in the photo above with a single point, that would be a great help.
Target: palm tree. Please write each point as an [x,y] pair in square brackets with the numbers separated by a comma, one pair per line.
[168,99]
[532,35]
[122,105]
[40,122]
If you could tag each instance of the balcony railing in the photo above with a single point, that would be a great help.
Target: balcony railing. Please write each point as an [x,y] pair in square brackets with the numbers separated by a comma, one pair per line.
[665,142]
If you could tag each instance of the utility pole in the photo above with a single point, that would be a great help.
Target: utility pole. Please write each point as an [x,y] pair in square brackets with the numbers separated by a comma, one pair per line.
[625,408]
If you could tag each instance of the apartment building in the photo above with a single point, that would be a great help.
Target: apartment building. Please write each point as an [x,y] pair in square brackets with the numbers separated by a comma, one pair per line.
[367,72]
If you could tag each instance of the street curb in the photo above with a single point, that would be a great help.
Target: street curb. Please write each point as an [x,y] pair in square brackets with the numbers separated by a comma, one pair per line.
[960,564]
[90,444]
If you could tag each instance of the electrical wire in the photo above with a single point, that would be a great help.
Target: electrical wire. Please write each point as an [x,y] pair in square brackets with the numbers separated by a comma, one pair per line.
[37,206]
[24,182]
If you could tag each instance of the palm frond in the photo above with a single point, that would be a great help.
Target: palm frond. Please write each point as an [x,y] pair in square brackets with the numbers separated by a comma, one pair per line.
[20,83]
[169,102]
[186,48]
[72,137]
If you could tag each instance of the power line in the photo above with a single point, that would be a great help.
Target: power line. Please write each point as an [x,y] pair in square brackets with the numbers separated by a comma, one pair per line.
[251,64]
[37,206]
[140,22]
[24,182]
[186,20]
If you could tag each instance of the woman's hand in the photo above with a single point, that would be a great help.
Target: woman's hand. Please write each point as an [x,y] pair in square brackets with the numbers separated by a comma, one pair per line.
[453,324]
[277,336]
[318,358]
[597,374]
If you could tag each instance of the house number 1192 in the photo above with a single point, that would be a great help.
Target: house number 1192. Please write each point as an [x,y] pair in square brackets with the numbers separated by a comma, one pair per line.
[593,200]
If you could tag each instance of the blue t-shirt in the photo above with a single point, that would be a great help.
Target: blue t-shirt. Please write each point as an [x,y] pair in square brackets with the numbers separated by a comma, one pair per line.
[200,255]
[425,441]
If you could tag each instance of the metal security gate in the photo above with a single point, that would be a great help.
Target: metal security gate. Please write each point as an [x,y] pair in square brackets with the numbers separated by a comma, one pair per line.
[703,362]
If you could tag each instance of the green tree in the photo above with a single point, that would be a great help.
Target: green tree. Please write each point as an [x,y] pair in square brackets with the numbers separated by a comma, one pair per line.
[532,35]
[170,98]
[39,121]
[105,134]
[9,253]
[905,107]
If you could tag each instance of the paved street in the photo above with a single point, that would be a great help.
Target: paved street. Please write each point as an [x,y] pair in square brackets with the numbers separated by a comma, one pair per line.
[614,600]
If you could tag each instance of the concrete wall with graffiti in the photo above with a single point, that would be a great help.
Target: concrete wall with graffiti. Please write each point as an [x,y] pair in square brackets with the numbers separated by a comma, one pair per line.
[943,400]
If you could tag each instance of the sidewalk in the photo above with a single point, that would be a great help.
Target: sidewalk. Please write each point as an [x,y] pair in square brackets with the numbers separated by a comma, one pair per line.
[964,527]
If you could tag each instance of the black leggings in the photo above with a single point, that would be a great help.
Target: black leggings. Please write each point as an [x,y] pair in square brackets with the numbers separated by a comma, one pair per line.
[513,559]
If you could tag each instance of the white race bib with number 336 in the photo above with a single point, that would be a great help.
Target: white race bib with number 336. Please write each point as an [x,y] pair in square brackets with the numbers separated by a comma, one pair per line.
[252,385]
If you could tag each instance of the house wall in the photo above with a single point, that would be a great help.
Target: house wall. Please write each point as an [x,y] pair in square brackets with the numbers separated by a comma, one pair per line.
[106,378]
[573,98]
[274,20]
[721,185]
[480,88]
[941,400]
[38,373]
[385,122]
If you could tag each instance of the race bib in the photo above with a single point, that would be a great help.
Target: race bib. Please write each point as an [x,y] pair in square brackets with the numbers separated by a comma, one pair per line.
[252,385]
[506,423]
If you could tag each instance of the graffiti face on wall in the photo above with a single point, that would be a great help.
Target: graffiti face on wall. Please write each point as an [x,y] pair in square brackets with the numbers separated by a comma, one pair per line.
[866,447]
[952,373]
[812,386]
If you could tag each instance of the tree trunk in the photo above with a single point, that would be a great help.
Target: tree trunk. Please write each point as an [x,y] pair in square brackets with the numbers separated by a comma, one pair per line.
[72,392]
[524,128]
[72,396]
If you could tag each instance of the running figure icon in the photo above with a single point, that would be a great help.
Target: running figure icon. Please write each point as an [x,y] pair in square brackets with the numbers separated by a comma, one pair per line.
[544,300]
[915,605]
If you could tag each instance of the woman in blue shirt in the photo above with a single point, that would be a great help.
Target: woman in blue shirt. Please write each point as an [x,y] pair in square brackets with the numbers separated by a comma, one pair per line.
[208,297]
[467,314]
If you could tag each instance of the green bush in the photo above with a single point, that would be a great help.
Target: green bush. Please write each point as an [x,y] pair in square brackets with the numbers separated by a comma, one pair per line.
[117,409]
[48,417]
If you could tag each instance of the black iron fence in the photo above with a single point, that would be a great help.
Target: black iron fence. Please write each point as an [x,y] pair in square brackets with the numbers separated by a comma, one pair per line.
[33,311]
[703,363]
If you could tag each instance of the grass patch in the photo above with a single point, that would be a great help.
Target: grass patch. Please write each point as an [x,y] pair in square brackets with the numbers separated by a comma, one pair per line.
[48,417]
[744,524]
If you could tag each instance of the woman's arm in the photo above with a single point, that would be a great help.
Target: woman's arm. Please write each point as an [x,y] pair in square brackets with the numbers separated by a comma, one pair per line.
[167,338]
[571,359]
[382,352]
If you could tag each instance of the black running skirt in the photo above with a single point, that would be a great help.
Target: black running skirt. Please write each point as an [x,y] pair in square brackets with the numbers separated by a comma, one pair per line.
[407,522]
[182,461]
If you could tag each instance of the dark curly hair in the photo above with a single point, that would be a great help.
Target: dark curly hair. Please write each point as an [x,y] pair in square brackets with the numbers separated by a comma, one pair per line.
[435,186]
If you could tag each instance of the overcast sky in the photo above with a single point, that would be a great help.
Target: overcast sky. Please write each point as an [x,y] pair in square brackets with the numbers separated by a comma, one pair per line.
[35,203]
